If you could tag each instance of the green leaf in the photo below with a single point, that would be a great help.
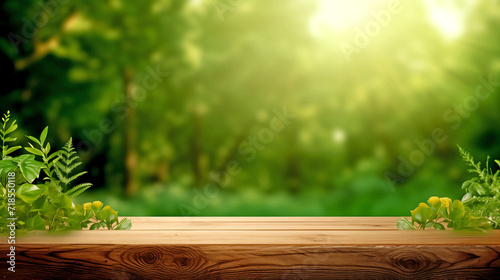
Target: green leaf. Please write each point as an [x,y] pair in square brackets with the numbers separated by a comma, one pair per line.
[466,197]
[76,175]
[65,202]
[458,210]
[421,214]
[108,214]
[34,139]
[12,128]
[34,151]
[466,184]
[438,226]
[11,150]
[96,206]
[126,224]
[35,223]
[6,166]
[78,208]
[429,224]
[43,135]
[53,190]
[29,167]
[443,212]
[49,210]
[434,202]
[29,193]
[402,223]
[95,226]
[434,215]
[38,204]
[76,217]
[77,190]
[475,188]
[55,154]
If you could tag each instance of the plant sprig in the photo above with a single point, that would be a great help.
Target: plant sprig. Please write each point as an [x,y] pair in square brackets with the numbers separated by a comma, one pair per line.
[102,217]
[64,168]
[48,160]
[482,193]
[4,135]
[441,211]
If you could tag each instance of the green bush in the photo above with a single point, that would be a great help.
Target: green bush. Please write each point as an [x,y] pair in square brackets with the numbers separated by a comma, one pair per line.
[478,210]
[34,204]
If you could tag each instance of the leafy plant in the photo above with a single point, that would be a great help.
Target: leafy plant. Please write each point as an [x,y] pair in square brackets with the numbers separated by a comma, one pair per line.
[482,195]
[46,204]
[4,135]
[104,217]
[48,160]
[441,211]
[478,210]
[65,166]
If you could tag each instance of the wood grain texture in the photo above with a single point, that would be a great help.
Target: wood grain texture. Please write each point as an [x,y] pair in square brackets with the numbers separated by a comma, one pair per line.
[274,248]
[260,223]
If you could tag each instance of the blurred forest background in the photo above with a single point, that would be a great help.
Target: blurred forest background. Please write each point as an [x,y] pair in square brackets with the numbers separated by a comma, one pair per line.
[305,107]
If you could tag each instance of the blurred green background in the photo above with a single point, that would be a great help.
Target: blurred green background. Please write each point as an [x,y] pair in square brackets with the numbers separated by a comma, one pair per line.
[276,107]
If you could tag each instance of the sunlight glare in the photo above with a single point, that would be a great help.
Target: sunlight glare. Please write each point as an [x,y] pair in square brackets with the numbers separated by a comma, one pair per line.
[340,14]
[338,135]
[449,18]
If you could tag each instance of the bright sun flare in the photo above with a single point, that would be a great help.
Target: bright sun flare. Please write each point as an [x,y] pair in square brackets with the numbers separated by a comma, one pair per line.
[447,16]
[341,14]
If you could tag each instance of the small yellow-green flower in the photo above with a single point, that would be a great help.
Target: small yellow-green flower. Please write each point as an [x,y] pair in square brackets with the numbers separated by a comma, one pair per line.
[446,201]
[435,202]
[97,205]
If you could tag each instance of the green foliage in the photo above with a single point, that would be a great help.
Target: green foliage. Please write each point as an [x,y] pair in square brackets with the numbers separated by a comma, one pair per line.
[440,212]
[48,160]
[65,166]
[4,135]
[478,210]
[29,167]
[47,204]
[482,195]
[102,217]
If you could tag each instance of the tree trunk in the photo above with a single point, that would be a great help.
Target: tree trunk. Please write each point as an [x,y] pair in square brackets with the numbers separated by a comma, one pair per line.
[196,150]
[162,171]
[130,136]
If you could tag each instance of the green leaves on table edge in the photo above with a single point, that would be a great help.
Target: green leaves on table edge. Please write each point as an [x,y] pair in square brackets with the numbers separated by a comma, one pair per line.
[46,204]
[479,209]
[439,212]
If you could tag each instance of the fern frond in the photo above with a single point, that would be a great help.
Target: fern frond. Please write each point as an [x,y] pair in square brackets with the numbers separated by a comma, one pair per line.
[72,178]
[59,167]
[66,163]
[470,162]
[77,190]
[72,167]
[482,192]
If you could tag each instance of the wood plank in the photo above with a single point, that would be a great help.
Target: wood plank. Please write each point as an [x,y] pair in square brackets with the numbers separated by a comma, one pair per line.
[177,237]
[264,223]
[254,262]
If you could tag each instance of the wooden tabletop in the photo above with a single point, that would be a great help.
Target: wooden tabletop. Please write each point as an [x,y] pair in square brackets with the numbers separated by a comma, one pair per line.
[256,248]
[266,230]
